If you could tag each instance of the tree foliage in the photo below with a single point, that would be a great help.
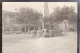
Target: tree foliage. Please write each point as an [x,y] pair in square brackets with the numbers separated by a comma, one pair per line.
[65,13]
[29,16]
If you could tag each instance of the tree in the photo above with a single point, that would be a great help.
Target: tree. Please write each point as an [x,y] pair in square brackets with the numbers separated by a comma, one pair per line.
[29,16]
[65,13]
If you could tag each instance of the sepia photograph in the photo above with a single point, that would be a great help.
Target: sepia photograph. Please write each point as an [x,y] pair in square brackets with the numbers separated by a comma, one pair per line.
[39,27]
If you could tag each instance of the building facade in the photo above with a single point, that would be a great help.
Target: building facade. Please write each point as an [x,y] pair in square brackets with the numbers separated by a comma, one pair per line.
[10,25]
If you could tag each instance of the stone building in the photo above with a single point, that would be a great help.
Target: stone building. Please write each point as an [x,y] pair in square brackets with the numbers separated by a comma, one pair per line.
[10,25]
[9,22]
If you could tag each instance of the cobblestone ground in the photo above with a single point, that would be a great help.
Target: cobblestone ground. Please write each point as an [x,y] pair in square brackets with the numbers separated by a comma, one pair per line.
[61,44]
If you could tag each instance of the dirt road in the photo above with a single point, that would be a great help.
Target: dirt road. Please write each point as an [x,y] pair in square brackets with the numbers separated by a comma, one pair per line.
[62,44]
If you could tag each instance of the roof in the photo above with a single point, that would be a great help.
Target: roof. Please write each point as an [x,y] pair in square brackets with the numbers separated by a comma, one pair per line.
[11,14]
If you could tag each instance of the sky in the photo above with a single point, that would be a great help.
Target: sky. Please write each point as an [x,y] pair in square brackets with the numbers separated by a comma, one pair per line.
[11,6]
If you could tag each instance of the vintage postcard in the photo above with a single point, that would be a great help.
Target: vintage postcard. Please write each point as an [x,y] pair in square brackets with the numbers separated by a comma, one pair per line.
[39,27]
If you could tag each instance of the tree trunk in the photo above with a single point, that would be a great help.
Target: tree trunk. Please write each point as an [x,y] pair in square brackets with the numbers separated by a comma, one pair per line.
[34,27]
[28,28]
[65,28]
[43,25]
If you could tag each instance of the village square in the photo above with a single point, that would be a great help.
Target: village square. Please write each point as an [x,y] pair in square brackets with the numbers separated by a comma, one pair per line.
[28,30]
